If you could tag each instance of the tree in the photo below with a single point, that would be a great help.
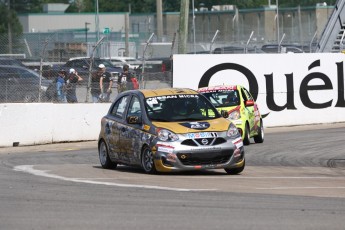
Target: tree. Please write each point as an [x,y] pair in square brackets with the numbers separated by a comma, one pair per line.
[10,29]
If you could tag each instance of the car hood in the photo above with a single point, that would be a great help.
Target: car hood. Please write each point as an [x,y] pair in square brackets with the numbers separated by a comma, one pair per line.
[181,127]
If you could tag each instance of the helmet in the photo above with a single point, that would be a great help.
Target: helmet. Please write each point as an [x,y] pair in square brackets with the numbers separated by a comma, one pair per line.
[101,66]
[72,70]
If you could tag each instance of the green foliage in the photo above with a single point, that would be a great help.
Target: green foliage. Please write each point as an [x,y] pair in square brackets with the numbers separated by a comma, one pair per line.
[7,16]
[149,6]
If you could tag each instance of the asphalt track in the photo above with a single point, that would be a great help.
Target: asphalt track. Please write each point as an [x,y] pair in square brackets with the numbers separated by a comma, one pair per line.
[294,180]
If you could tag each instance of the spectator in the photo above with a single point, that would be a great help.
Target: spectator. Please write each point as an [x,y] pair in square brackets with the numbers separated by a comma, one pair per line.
[105,83]
[126,80]
[61,86]
[71,86]
[95,85]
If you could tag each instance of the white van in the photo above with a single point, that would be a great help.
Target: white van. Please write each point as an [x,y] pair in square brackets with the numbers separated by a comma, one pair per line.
[120,61]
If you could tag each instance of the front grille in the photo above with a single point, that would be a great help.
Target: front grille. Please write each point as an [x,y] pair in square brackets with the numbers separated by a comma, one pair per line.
[205,158]
[204,141]
[189,142]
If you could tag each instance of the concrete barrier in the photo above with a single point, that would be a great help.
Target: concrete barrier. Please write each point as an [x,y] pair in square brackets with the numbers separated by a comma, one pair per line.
[35,123]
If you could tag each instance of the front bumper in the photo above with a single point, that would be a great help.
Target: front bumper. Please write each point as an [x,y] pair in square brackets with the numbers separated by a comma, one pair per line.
[182,156]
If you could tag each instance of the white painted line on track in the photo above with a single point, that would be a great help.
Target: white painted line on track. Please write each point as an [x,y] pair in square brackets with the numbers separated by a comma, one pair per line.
[292,188]
[30,169]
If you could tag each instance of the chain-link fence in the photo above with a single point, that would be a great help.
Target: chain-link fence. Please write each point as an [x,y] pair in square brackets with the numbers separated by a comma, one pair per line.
[20,85]
[244,31]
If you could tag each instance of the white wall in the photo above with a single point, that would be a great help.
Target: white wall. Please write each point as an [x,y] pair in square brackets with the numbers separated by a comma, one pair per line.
[35,123]
[324,71]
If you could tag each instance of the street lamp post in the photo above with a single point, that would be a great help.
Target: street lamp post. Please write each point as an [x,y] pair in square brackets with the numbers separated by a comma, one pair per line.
[277,5]
[86,23]
[193,8]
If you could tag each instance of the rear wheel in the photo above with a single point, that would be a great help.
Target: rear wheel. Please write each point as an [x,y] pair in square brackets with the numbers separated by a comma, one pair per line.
[147,161]
[246,138]
[235,171]
[260,137]
[106,163]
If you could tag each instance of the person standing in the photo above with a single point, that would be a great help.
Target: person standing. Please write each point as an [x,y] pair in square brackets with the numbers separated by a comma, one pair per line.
[61,86]
[126,80]
[95,85]
[105,83]
[71,86]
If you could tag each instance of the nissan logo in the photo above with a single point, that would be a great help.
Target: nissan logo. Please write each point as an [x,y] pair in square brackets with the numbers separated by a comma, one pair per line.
[204,141]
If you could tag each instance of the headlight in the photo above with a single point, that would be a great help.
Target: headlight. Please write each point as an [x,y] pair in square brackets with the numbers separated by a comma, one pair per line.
[232,131]
[166,135]
[235,115]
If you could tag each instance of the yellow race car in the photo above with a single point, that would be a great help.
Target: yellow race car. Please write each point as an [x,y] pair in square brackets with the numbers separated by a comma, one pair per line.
[241,107]
[167,130]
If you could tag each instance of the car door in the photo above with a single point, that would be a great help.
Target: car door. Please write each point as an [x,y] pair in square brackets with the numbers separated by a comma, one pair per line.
[134,126]
[249,108]
[117,135]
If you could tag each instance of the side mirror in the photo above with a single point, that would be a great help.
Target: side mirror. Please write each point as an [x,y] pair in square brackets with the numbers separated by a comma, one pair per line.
[224,113]
[134,120]
[249,103]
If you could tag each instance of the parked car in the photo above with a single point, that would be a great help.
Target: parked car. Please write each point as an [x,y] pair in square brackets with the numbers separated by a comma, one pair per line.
[121,61]
[236,50]
[156,65]
[11,61]
[285,48]
[167,130]
[19,84]
[241,107]
[82,66]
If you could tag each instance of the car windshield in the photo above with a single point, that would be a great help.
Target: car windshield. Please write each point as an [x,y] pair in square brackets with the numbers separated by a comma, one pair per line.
[186,107]
[223,98]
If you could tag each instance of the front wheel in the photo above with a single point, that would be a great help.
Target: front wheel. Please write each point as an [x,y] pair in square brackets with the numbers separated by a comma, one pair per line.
[104,159]
[246,138]
[235,171]
[260,137]
[147,161]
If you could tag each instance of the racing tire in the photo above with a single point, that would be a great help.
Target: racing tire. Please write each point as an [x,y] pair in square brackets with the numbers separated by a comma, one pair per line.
[147,161]
[246,137]
[235,171]
[104,158]
[260,137]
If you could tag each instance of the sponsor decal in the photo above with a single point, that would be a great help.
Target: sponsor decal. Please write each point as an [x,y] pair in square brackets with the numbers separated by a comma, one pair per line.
[196,125]
[200,135]
[154,100]
[215,89]
[238,142]
[146,127]
[165,149]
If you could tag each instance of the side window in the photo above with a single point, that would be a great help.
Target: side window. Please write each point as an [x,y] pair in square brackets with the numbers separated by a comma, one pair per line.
[244,94]
[120,107]
[22,73]
[248,95]
[134,107]
[79,63]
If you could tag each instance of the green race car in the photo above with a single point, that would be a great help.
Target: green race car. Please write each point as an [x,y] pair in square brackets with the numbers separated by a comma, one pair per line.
[241,107]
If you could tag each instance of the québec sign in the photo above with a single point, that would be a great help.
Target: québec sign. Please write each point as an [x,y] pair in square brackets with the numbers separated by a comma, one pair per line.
[291,89]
